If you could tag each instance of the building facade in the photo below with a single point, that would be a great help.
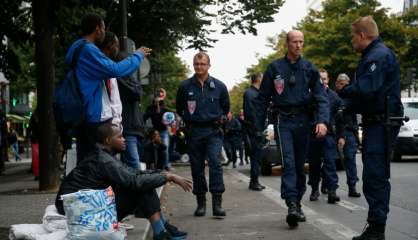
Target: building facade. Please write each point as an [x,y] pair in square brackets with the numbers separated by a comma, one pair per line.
[408,4]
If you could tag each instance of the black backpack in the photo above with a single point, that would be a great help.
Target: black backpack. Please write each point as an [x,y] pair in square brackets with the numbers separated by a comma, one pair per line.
[68,106]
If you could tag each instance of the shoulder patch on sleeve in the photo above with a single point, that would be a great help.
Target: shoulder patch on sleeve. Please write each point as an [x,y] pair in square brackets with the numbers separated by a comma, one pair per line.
[372,67]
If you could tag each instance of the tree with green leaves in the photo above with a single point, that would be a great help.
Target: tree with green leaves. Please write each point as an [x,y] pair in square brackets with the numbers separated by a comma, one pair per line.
[328,39]
[160,24]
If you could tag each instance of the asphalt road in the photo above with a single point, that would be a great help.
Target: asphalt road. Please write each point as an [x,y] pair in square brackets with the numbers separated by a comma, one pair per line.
[351,213]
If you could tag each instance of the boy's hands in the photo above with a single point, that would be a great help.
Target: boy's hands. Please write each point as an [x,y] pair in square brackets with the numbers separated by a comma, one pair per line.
[184,183]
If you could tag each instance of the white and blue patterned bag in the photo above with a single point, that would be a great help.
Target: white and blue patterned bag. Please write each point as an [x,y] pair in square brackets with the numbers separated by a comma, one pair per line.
[91,214]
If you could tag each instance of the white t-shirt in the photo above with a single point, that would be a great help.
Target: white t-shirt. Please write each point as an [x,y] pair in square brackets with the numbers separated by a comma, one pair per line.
[111,107]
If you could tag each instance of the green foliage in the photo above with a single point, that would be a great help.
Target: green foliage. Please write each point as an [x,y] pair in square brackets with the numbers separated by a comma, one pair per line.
[236,96]
[162,25]
[167,73]
[328,36]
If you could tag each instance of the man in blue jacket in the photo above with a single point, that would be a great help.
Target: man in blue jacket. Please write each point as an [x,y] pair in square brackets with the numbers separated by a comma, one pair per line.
[374,91]
[93,68]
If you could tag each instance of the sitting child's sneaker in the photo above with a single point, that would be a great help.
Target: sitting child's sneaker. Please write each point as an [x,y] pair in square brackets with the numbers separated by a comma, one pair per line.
[163,236]
[175,233]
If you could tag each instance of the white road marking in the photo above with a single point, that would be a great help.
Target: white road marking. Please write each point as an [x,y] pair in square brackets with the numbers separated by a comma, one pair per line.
[329,227]
[351,206]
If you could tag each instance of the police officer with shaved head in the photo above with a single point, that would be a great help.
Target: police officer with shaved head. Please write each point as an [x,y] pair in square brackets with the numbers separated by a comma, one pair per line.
[375,94]
[292,84]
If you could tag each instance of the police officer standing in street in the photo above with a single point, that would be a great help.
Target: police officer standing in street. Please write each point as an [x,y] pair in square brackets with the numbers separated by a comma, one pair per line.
[292,83]
[348,143]
[375,94]
[255,149]
[203,102]
[323,151]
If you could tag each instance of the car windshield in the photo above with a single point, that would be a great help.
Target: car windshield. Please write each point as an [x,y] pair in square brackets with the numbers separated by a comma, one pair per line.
[411,110]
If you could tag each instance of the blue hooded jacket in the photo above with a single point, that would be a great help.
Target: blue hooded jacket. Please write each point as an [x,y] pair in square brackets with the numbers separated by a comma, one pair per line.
[93,67]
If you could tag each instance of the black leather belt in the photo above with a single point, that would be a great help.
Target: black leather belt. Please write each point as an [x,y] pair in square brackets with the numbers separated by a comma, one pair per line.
[202,124]
[373,118]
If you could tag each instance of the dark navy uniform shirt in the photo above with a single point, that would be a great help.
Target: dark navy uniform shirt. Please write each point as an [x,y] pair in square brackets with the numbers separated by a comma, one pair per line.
[291,85]
[249,107]
[336,104]
[197,104]
[377,77]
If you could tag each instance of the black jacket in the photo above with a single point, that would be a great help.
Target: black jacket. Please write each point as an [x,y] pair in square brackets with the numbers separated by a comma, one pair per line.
[101,169]
[130,91]
[154,154]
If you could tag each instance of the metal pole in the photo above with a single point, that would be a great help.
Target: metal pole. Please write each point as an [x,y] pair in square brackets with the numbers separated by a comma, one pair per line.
[124,33]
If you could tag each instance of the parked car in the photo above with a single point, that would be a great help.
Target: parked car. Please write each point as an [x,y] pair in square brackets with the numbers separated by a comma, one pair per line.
[271,154]
[407,143]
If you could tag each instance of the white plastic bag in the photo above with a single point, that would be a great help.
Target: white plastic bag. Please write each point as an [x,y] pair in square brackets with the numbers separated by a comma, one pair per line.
[91,214]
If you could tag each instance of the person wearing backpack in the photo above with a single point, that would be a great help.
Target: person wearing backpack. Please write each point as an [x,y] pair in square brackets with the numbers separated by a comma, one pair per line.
[92,68]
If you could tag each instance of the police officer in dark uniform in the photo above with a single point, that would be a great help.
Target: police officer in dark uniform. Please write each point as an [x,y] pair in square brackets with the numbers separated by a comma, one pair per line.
[375,91]
[347,145]
[250,96]
[233,139]
[291,83]
[326,148]
[203,102]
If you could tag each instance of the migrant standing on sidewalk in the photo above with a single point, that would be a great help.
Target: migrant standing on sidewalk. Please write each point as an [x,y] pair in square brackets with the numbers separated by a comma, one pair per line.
[375,94]
[323,151]
[249,121]
[132,118]
[93,67]
[291,83]
[134,189]
[112,105]
[203,102]
[348,144]
[155,111]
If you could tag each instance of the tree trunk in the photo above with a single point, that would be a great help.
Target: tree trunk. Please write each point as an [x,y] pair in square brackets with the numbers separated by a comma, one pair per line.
[43,19]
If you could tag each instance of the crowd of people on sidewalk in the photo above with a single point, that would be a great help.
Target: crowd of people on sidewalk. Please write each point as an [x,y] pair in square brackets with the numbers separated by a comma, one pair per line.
[312,123]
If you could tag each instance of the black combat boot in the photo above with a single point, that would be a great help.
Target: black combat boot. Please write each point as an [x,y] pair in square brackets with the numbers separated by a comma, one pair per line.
[302,217]
[292,218]
[324,189]
[372,232]
[332,197]
[201,205]
[352,192]
[255,185]
[217,210]
[314,195]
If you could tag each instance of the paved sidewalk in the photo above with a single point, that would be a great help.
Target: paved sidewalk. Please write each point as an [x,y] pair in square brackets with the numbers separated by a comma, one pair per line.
[21,202]
[250,215]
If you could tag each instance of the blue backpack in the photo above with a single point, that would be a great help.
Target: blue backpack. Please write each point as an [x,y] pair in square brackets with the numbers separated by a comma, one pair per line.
[68,106]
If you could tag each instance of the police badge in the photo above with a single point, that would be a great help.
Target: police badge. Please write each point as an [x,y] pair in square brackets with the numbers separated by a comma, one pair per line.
[279,84]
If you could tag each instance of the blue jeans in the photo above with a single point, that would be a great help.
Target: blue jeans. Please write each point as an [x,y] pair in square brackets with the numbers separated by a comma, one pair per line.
[165,139]
[132,154]
[15,147]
